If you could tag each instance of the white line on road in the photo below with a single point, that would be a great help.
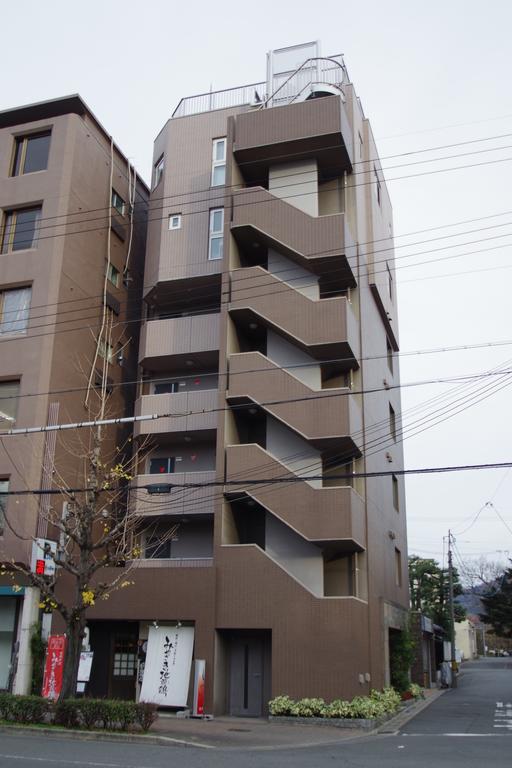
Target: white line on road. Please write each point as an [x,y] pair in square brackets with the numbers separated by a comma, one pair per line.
[72,762]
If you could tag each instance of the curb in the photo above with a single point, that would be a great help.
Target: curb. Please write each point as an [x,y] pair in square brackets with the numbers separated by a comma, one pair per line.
[69,733]
[402,718]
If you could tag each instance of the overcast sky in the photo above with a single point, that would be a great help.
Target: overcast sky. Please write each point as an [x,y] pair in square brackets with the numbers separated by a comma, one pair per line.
[429,75]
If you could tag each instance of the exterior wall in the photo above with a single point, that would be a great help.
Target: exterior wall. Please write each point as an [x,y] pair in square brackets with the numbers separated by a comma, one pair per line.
[465,639]
[66,271]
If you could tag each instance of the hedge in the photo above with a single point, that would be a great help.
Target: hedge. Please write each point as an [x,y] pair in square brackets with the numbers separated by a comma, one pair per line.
[108,714]
[377,704]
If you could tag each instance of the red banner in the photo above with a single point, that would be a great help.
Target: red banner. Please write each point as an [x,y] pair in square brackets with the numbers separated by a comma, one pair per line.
[54,667]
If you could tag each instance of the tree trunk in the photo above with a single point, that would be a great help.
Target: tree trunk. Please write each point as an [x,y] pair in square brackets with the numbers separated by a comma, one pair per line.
[74,634]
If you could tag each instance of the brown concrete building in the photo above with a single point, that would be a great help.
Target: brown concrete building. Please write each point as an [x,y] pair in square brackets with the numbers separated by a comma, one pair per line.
[72,235]
[271,336]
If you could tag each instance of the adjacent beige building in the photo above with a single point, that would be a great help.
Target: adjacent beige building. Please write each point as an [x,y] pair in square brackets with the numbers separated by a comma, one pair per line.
[63,224]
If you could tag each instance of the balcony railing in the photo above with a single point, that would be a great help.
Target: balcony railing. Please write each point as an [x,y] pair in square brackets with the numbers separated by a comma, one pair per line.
[229,97]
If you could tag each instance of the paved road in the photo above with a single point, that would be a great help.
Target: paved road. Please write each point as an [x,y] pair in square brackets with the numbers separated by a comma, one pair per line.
[467,727]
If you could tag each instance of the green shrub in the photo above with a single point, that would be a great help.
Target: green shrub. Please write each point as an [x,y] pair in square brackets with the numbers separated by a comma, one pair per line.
[309,708]
[28,709]
[145,714]
[66,713]
[281,705]
[6,700]
[378,703]
[416,691]
[38,653]
[118,714]
[338,708]
[92,712]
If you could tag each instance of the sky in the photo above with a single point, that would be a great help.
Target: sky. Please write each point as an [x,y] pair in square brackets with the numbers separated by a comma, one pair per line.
[429,75]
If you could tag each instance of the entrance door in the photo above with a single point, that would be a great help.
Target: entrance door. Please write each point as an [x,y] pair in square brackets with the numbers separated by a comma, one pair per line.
[124,665]
[248,674]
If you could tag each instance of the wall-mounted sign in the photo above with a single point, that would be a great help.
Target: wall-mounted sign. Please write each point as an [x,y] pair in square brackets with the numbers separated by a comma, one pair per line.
[44,552]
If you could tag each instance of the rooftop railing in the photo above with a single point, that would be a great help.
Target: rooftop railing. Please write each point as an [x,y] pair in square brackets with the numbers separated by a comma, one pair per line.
[330,70]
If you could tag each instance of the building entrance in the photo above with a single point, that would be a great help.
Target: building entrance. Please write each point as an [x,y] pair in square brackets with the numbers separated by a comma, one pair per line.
[249,673]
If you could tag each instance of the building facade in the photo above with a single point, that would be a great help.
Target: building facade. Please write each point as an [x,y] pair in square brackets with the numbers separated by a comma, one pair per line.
[72,230]
[270,341]
[270,486]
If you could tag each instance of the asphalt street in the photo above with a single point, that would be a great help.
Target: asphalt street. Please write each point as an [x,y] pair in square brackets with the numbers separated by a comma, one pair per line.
[468,726]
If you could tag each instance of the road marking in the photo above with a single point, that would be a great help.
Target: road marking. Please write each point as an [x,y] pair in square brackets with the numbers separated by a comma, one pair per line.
[71,762]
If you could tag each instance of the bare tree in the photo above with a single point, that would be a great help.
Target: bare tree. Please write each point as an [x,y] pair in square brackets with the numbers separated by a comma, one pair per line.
[481,572]
[99,530]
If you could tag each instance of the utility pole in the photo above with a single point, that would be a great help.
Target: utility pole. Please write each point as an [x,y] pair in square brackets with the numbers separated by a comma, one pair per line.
[452,613]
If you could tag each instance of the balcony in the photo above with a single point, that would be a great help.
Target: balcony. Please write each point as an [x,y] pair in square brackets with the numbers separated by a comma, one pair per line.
[324,327]
[327,413]
[317,128]
[318,514]
[181,338]
[200,404]
[180,501]
[260,218]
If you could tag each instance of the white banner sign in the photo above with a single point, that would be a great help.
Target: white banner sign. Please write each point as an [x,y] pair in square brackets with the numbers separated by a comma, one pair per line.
[167,668]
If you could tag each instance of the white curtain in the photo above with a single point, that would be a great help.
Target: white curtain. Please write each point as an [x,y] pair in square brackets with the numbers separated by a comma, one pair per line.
[15,310]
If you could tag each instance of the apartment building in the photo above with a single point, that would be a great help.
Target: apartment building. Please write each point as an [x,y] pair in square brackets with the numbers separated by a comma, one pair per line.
[72,235]
[270,340]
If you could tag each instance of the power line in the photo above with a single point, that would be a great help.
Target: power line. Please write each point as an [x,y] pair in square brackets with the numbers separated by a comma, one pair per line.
[285,480]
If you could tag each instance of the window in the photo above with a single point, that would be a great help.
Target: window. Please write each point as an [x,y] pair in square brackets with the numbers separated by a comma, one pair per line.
[218,162]
[389,352]
[106,351]
[14,309]
[158,171]
[396,504]
[112,274]
[20,229]
[390,282]
[398,568]
[162,465]
[175,221]
[31,153]
[9,393]
[216,234]
[118,202]
[4,487]
[392,422]
[166,387]
[378,190]
[360,145]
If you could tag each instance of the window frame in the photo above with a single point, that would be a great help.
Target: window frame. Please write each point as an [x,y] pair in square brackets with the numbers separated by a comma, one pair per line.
[395,493]
[392,422]
[377,182]
[9,228]
[222,140]
[25,319]
[390,281]
[214,234]
[171,464]
[174,383]
[21,144]
[174,216]
[115,198]
[398,567]
[10,420]
[389,354]
[4,481]
[110,269]
[158,170]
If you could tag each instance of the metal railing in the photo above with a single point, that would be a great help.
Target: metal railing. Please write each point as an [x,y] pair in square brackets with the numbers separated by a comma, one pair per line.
[313,71]
[230,97]
[329,70]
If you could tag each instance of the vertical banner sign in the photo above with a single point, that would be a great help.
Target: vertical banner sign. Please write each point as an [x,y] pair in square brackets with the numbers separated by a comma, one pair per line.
[167,668]
[54,667]
[199,672]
